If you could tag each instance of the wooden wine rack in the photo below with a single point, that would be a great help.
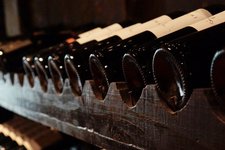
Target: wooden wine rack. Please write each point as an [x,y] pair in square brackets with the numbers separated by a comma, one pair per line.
[111,124]
[31,135]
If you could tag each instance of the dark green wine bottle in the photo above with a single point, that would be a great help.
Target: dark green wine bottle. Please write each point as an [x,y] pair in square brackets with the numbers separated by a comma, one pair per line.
[105,65]
[183,64]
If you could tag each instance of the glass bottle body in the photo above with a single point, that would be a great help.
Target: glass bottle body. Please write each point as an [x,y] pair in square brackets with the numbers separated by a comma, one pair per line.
[41,63]
[184,64]
[137,63]
[105,65]
[77,65]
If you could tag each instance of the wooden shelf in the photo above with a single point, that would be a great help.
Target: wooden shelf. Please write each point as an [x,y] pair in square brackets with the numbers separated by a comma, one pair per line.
[31,135]
[111,124]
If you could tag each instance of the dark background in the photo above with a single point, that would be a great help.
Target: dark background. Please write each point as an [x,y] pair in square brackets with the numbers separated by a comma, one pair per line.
[20,16]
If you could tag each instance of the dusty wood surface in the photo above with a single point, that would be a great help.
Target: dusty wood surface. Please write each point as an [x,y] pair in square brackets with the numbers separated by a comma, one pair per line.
[111,124]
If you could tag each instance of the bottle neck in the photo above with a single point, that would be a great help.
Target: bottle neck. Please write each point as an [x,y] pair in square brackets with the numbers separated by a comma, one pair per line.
[199,26]
[209,22]
[180,22]
[104,32]
[211,38]
[90,32]
[137,28]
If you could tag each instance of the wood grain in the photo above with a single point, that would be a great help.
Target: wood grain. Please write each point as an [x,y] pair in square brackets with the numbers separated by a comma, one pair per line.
[111,124]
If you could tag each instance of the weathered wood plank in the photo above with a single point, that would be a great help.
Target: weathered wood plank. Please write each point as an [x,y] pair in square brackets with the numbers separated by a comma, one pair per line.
[111,124]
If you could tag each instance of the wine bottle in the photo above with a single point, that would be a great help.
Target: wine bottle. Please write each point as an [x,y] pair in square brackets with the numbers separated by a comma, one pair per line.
[185,62]
[56,61]
[41,60]
[217,77]
[8,50]
[105,65]
[14,49]
[136,63]
[78,69]
[28,59]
